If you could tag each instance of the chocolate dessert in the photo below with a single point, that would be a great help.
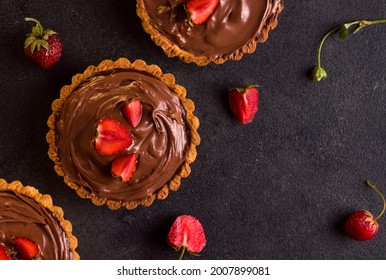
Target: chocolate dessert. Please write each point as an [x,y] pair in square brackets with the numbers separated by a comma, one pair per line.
[234,28]
[28,216]
[163,142]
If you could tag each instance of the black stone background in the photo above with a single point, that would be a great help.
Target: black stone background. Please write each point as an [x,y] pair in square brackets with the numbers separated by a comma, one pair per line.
[278,188]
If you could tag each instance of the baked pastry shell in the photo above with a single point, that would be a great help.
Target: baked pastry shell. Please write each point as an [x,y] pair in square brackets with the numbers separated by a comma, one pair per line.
[191,121]
[172,50]
[45,200]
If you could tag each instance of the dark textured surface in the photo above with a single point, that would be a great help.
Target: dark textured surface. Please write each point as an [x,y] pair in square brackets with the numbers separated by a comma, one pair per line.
[278,188]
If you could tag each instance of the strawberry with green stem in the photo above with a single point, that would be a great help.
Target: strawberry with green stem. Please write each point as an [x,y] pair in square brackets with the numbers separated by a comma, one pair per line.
[361,225]
[188,234]
[42,46]
[319,73]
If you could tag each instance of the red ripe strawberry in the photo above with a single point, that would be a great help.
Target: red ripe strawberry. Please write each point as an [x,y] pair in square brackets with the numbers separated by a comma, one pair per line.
[3,253]
[42,46]
[200,10]
[244,103]
[123,167]
[26,248]
[188,233]
[133,112]
[112,137]
[362,225]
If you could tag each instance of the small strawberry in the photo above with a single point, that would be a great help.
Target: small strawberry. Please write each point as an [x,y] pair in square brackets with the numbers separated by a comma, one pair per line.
[42,46]
[123,167]
[200,10]
[112,137]
[188,233]
[133,112]
[244,103]
[362,225]
[26,248]
[3,253]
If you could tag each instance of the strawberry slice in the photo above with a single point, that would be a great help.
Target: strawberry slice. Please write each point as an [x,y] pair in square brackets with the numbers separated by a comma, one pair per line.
[200,10]
[123,167]
[244,103]
[133,112]
[188,233]
[3,253]
[26,248]
[112,137]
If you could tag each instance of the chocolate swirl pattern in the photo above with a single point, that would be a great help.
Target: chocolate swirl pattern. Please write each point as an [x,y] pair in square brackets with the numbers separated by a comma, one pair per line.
[160,140]
[233,29]
[23,216]
[164,141]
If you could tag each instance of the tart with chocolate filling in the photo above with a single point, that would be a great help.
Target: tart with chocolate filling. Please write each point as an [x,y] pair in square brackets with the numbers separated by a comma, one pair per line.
[123,134]
[204,31]
[31,227]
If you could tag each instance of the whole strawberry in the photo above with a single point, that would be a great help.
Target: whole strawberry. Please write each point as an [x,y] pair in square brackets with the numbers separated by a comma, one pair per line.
[42,46]
[361,225]
[244,103]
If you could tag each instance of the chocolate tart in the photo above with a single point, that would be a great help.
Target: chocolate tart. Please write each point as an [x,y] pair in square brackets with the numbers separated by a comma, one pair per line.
[232,30]
[165,140]
[26,213]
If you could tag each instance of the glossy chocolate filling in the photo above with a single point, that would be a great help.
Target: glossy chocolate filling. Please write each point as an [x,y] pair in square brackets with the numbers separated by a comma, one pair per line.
[21,216]
[233,24]
[160,139]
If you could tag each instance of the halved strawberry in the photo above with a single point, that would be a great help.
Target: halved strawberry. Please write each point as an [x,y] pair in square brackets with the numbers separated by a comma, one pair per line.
[188,233]
[3,253]
[123,167]
[112,137]
[200,10]
[244,103]
[133,112]
[26,248]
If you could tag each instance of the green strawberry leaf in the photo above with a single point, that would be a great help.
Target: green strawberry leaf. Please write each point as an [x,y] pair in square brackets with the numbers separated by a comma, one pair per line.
[343,34]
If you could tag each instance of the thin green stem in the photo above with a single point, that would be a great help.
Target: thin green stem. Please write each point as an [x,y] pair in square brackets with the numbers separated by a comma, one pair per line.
[328,34]
[377,21]
[362,24]
[38,27]
[381,195]
[182,252]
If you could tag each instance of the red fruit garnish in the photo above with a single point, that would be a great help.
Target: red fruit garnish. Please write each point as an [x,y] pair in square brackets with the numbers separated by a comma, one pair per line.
[133,112]
[42,46]
[188,233]
[26,248]
[112,137]
[3,253]
[244,103]
[200,10]
[123,167]
[362,225]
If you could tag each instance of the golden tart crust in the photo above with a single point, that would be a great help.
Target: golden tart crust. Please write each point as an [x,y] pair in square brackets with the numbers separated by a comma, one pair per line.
[45,200]
[191,122]
[171,49]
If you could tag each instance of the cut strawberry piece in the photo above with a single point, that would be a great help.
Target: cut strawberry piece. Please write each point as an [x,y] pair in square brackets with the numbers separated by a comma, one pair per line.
[112,137]
[200,10]
[133,112]
[26,248]
[187,232]
[244,103]
[123,167]
[3,253]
